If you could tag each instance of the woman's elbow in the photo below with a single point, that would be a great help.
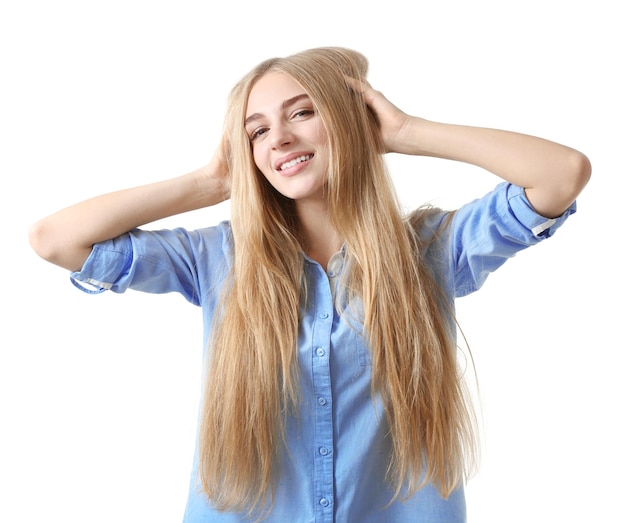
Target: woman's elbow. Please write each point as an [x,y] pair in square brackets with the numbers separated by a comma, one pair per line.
[580,172]
[45,242]
[574,176]
[40,241]
[569,177]
[51,244]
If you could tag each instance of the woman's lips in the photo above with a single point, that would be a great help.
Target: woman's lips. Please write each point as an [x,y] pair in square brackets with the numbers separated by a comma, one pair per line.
[294,165]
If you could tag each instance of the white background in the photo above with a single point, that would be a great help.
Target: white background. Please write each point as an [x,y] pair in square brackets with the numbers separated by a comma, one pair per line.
[98,395]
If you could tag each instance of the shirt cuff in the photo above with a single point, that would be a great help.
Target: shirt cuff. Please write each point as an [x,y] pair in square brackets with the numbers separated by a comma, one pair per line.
[106,267]
[540,226]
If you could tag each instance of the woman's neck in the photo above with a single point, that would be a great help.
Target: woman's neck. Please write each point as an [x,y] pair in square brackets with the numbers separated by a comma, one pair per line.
[320,238]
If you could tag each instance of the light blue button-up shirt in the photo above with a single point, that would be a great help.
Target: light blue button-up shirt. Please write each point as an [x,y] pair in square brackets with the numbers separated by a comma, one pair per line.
[337,448]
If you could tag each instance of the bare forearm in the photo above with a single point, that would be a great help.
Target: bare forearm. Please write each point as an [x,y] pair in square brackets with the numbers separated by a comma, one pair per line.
[552,174]
[66,237]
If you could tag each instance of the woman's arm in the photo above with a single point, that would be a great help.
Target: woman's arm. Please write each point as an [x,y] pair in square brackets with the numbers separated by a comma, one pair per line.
[552,174]
[66,237]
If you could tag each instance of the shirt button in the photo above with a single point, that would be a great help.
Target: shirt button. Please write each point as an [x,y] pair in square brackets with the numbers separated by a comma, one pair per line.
[322,401]
[320,351]
[324,315]
[332,274]
[324,502]
[323,451]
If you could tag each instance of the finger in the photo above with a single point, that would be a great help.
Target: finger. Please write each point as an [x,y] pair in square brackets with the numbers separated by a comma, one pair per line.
[363,87]
[357,84]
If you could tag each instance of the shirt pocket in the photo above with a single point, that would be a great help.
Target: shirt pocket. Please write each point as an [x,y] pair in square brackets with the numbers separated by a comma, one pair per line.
[363,354]
[354,339]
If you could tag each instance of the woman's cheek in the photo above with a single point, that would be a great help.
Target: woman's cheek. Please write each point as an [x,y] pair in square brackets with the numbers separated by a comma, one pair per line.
[256,156]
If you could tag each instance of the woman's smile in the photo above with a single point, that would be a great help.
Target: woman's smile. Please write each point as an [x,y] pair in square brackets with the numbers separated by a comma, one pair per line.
[294,163]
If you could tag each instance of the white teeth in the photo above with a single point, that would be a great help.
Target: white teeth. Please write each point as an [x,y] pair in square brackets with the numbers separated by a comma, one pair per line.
[295,161]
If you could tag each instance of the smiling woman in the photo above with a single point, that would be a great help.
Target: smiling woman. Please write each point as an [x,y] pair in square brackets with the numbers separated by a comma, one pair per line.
[332,390]
[289,141]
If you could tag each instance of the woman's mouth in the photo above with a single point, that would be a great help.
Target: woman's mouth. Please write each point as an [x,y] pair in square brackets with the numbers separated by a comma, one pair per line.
[295,161]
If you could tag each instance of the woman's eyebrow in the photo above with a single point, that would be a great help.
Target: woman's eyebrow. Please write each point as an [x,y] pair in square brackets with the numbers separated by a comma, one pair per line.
[285,105]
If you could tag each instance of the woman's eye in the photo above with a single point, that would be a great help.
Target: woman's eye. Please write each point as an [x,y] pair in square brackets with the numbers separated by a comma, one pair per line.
[303,112]
[257,133]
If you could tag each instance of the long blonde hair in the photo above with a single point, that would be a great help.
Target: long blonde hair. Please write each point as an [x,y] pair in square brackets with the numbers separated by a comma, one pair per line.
[252,378]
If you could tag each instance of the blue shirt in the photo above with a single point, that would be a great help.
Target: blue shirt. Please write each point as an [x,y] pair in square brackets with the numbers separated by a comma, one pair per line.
[333,469]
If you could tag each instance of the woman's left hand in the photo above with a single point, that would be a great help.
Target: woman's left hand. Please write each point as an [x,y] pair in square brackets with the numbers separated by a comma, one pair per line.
[398,130]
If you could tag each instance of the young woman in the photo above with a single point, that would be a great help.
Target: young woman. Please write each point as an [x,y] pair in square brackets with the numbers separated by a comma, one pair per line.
[332,391]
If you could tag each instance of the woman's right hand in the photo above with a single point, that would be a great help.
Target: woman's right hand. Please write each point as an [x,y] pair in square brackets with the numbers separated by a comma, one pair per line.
[217,171]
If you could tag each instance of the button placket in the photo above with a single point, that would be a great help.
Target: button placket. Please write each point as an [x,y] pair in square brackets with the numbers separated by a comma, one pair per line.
[323,439]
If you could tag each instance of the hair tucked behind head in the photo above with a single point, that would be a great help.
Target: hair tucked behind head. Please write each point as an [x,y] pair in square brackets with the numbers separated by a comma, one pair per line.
[252,375]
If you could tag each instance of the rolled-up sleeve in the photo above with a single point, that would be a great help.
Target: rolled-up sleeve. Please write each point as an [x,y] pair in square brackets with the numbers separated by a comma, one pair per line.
[488,231]
[163,261]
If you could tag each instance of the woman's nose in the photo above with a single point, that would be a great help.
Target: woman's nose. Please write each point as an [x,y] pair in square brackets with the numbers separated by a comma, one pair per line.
[281,136]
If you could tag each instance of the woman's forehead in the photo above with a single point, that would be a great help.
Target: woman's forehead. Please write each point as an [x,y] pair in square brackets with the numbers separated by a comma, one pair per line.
[270,92]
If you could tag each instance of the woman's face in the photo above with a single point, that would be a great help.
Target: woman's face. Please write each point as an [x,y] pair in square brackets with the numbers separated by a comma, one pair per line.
[289,142]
